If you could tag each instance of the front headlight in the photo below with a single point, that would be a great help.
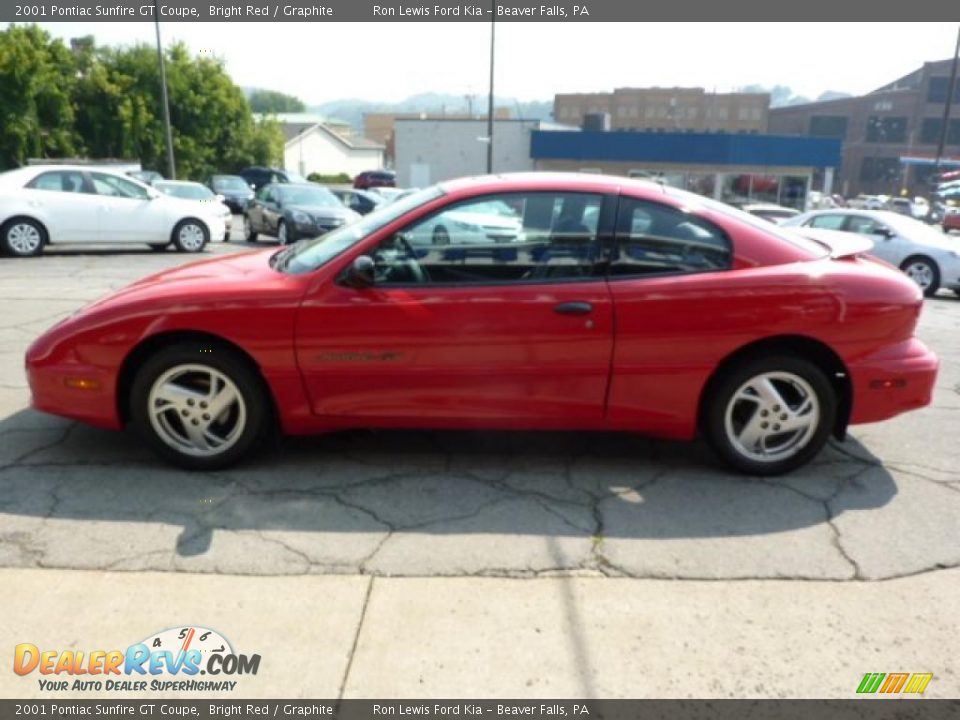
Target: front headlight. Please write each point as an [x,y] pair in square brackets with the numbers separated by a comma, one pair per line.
[301,217]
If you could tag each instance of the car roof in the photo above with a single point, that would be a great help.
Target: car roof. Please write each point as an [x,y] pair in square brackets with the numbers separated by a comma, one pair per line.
[553,181]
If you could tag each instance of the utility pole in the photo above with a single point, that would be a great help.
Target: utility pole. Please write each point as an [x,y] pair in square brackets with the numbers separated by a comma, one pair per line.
[171,168]
[951,89]
[493,28]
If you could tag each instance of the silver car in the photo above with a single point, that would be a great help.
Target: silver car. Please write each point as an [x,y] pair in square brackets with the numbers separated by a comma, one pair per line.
[928,256]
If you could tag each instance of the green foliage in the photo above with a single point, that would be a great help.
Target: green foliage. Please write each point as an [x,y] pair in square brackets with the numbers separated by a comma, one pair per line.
[338,179]
[105,103]
[36,111]
[271,101]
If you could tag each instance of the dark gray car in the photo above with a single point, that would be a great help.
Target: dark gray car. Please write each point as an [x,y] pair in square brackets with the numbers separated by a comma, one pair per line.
[291,211]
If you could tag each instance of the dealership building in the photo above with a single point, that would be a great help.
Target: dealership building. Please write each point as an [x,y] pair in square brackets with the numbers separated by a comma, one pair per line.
[730,167]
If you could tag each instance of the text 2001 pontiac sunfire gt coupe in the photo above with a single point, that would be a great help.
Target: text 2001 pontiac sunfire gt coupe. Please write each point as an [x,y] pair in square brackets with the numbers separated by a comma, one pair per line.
[611,304]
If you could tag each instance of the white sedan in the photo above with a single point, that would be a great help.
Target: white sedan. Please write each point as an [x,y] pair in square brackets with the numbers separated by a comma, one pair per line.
[928,256]
[66,204]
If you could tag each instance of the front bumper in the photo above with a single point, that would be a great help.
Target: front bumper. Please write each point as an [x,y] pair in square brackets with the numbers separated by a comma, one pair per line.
[53,390]
[892,381]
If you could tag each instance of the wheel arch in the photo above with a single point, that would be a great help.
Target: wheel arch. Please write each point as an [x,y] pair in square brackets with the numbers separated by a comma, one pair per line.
[154,343]
[810,349]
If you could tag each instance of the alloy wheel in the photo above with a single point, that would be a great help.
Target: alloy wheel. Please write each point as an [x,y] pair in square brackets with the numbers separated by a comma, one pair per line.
[197,410]
[772,416]
[24,238]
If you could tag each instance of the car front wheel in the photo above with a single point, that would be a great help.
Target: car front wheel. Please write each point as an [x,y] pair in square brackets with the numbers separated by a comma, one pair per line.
[199,405]
[771,415]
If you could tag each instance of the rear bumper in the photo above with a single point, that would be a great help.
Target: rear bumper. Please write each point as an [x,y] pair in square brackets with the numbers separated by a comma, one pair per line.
[893,381]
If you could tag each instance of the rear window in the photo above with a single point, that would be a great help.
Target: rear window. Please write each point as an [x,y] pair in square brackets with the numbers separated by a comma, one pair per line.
[693,200]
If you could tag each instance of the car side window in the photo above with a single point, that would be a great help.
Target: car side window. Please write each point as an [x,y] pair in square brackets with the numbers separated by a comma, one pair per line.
[827,222]
[117,187]
[865,225]
[265,194]
[58,181]
[503,238]
[653,238]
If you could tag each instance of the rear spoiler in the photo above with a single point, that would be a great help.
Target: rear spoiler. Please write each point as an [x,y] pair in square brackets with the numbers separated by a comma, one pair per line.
[840,244]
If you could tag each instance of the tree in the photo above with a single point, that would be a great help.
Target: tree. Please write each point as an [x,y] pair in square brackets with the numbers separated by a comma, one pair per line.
[271,101]
[37,75]
[105,103]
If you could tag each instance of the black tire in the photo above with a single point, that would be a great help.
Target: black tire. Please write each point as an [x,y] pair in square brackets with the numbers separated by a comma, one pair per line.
[159,248]
[23,237]
[440,235]
[720,395]
[283,234]
[249,234]
[257,408]
[190,235]
[921,260]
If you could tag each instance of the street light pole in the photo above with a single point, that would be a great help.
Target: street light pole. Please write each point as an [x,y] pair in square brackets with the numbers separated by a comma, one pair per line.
[493,35]
[171,168]
[951,88]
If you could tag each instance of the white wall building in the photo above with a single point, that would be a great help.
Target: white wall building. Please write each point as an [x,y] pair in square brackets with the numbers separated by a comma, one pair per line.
[316,148]
[433,150]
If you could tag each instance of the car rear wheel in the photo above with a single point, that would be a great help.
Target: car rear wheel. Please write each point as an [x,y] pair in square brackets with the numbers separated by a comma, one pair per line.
[924,272]
[190,236]
[199,405]
[771,415]
[23,237]
[282,233]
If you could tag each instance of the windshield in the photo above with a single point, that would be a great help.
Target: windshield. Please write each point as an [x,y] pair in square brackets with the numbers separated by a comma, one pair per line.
[187,192]
[295,177]
[778,231]
[308,255]
[307,195]
[230,183]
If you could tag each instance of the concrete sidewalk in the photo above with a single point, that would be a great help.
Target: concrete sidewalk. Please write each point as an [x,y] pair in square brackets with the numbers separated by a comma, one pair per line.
[563,637]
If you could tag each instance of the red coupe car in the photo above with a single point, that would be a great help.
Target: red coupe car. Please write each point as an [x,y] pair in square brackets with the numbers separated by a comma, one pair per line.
[611,304]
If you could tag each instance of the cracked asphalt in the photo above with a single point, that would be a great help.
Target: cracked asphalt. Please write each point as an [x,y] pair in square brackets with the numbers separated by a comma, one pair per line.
[566,507]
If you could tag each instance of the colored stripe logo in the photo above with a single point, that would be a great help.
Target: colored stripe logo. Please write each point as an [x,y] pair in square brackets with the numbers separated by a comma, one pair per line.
[893,683]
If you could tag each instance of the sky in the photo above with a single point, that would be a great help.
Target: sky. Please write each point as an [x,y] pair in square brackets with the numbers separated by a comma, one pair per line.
[387,62]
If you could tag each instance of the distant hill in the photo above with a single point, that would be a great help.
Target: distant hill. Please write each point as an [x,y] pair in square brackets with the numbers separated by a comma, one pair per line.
[351,110]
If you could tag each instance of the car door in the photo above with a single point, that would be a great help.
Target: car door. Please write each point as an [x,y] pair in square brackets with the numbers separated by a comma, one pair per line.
[668,270]
[64,201]
[469,333]
[127,212]
[270,209]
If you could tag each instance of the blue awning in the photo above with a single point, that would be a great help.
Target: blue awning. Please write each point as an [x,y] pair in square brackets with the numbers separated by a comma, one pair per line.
[686,148]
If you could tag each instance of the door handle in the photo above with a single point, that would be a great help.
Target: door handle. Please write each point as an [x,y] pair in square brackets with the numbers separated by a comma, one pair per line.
[577,307]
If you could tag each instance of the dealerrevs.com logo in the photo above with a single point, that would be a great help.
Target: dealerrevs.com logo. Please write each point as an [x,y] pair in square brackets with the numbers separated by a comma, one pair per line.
[170,660]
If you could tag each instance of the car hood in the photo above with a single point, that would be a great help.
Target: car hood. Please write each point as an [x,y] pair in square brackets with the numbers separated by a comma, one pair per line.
[219,277]
[331,211]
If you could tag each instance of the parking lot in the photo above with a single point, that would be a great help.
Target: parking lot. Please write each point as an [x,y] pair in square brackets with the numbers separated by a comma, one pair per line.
[883,505]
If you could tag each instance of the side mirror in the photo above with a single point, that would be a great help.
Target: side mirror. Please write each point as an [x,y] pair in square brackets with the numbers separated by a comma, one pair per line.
[361,273]
[884,232]
[220,198]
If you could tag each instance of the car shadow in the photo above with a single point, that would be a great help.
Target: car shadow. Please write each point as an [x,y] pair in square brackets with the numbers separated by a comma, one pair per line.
[467,483]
